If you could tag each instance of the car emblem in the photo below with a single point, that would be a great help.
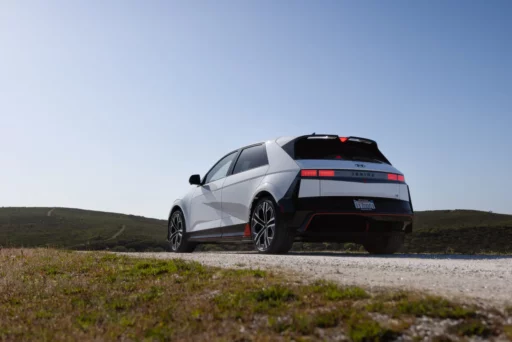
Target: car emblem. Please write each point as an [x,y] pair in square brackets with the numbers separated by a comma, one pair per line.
[360,165]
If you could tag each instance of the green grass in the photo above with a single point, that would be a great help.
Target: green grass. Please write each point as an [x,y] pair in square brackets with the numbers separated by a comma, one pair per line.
[472,328]
[80,229]
[442,231]
[57,295]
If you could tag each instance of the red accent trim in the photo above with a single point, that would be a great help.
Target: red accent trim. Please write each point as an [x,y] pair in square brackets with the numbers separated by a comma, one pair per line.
[360,214]
[247,231]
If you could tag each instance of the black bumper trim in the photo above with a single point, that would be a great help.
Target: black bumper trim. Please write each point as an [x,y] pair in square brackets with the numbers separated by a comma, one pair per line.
[300,212]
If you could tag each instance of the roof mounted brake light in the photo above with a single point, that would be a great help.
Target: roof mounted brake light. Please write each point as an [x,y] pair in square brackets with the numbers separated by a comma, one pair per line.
[343,139]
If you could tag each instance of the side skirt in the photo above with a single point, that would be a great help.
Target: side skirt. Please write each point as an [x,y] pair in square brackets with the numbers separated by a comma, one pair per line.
[226,234]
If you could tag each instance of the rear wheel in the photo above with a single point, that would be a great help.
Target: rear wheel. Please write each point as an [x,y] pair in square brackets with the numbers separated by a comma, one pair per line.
[269,234]
[385,245]
[177,238]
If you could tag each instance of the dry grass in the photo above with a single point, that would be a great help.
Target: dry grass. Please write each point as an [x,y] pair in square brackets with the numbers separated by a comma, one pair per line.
[56,295]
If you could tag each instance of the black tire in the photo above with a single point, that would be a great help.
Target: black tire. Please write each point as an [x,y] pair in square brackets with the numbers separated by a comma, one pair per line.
[177,243]
[281,237]
[385,245]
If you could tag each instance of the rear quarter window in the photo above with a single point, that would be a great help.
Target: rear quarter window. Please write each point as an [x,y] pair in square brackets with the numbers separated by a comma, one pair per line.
[251,158]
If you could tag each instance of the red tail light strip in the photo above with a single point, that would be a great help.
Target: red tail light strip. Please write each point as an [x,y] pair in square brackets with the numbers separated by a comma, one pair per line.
[326,173]
[392,176]
[331,173]
[309,173]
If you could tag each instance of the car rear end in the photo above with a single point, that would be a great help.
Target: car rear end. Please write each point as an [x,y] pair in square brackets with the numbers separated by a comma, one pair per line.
[346,191]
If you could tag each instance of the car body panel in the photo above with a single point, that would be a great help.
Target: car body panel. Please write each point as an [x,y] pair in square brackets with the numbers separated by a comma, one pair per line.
[331,188]
[205,206]
[237,194]
[279,160]
[309,188]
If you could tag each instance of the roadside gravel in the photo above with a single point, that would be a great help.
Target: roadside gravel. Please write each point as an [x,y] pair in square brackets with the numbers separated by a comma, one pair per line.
[484,279]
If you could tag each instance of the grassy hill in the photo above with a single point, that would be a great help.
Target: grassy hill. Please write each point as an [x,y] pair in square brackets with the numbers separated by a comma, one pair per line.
[79,229]
[460,231]
[442,231]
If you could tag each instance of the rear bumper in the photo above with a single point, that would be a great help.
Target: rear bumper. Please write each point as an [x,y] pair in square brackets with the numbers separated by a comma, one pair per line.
[337,219]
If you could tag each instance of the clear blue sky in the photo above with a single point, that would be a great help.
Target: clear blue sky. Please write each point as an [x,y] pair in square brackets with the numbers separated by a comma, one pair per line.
[111,105]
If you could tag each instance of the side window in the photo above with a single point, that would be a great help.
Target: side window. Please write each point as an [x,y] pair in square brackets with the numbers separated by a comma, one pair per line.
[251,158]
[220,170]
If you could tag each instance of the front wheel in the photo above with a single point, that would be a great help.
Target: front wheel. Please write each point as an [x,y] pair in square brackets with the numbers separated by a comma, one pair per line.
[387,245]
[270,235]
[177,238]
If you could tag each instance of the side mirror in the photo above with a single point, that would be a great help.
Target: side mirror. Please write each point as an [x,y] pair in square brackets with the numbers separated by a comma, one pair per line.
[195,180]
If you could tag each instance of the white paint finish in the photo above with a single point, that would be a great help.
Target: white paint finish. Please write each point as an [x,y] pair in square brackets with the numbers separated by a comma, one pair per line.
[277,183]
[341,188]
[283,140]
[309,188]
[345,165]
[205,206]
[237,194]
[279,160]
[404,194]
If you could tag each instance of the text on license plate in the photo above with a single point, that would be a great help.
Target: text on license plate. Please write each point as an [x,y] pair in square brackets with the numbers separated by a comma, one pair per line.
[364,204]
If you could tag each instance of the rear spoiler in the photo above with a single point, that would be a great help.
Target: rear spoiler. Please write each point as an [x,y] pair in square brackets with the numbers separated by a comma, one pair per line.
[289,146]
[361,140]
[343,139]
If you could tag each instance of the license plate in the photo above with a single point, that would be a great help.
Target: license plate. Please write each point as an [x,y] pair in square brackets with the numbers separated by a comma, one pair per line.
[364,204]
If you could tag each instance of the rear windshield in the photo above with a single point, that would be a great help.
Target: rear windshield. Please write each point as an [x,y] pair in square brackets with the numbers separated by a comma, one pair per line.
[333,148]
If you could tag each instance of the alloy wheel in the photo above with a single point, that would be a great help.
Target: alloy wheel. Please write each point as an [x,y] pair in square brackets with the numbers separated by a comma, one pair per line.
[263,225]
[176,231]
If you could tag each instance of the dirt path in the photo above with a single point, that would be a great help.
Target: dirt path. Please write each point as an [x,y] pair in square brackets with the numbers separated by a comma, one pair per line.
[117,234]
[50,212]
[482,278]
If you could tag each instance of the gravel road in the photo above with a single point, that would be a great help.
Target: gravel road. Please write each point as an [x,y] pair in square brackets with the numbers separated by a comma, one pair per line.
[484,279]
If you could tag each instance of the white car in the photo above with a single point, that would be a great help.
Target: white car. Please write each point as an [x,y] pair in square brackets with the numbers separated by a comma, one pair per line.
[314,188]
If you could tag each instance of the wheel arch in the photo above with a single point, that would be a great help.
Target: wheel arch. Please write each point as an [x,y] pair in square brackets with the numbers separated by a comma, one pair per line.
[260,194]
[178,205]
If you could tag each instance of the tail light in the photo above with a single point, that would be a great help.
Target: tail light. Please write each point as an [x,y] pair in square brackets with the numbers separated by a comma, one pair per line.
[326,173]
[392,176]
[331,173]
[395,177]
[308,173]
[317,173]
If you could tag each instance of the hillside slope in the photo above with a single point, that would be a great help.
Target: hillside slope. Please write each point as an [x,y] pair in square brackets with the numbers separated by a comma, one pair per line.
[460,231]
[443,231]
[79,229]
